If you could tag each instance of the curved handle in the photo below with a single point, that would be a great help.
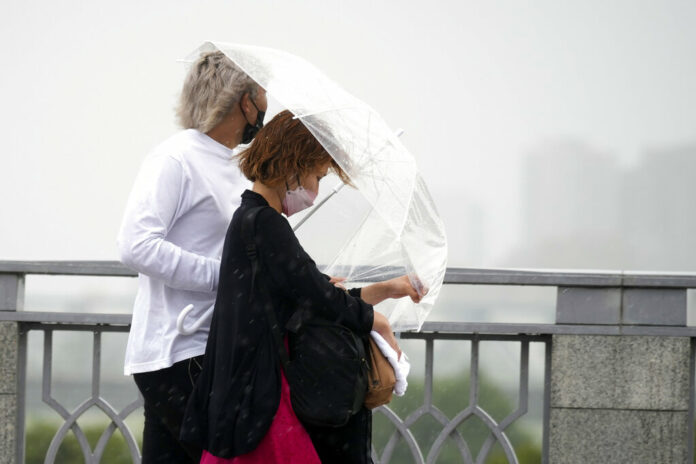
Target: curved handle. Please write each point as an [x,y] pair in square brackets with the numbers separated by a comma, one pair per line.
[196,325]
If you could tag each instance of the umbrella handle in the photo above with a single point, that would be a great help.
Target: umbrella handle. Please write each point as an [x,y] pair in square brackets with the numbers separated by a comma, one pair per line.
[196,325]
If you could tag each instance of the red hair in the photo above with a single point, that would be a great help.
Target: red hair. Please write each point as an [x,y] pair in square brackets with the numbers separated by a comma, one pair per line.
[282,149]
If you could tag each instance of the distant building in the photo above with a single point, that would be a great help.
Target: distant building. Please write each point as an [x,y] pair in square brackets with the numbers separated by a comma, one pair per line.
[581,209]
[571,195]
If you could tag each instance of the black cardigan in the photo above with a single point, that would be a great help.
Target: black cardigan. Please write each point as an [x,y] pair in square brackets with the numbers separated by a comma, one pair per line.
[238,391]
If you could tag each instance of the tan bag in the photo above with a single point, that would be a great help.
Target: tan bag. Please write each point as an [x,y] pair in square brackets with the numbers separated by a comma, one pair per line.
[380,378]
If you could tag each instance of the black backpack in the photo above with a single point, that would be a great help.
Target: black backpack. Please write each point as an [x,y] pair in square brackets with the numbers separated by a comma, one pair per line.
[327,365]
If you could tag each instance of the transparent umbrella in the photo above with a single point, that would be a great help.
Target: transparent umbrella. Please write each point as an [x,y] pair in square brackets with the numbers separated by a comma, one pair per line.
[398,231]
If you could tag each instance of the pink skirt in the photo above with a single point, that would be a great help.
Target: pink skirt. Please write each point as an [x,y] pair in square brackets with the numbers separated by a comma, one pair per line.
[285,442]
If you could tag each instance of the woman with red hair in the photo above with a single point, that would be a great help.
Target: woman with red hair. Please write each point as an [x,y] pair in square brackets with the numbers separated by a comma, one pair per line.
[240,410]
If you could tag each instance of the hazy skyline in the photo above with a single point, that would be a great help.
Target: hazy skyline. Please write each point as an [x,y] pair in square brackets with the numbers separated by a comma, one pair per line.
[89,88]
[597,213]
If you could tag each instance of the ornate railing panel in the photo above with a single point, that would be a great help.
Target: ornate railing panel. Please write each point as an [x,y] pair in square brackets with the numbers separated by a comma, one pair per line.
[95,400]
[402,434]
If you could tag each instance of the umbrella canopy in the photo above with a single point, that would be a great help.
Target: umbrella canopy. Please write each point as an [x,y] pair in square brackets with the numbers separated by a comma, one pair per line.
[400,232]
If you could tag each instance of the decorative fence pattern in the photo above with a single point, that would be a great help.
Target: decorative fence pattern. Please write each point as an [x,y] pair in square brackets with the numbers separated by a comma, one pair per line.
[95,400]
[401,435]
[497,430]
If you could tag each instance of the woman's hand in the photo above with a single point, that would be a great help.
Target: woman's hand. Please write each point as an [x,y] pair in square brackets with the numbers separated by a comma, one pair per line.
[398,287]
[338,281]
[401,287]
[381,326]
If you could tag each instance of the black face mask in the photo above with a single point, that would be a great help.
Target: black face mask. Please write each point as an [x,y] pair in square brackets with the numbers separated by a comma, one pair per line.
[249,130]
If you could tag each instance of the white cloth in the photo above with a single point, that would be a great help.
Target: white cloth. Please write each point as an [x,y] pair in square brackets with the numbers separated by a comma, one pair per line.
[172,234]
[401,365]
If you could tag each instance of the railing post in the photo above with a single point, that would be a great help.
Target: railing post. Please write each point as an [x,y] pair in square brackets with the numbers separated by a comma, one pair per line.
[621,398]
[11,372]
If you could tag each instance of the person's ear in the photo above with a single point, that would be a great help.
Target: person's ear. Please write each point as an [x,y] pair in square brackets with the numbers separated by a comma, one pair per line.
[245,102]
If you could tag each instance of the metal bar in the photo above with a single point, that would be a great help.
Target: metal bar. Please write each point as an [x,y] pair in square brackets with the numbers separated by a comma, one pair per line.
[534,278]
[471,335]
[121,322]
[661,331]
[473,376]
[553,329]
[96,364]
[440,330]
[523,396]
[429,356]
[532,329]
[86,268]
[569,278]
[75,327]
[511,329]
[655,280]
[47,366]
[452,275]
[11,292]
[48,317]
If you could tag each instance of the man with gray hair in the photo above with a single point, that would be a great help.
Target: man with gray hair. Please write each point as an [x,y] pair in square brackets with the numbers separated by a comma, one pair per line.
[172,234]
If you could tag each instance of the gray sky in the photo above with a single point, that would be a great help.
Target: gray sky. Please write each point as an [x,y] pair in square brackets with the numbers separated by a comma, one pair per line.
[88,88]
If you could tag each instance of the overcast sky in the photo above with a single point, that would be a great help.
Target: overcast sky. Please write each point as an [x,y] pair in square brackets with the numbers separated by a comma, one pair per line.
[88,88]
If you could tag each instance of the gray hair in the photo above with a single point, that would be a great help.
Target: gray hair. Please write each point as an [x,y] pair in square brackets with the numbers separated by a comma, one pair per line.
[212,87]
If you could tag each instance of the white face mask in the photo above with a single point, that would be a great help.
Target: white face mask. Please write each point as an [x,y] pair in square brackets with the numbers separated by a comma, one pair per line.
[298,199]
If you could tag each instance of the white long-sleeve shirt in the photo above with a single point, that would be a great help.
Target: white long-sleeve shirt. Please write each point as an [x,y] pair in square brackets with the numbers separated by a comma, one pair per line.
[172,234]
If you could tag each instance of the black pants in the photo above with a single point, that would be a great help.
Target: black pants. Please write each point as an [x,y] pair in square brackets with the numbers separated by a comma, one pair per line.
[349,444]
[166,393]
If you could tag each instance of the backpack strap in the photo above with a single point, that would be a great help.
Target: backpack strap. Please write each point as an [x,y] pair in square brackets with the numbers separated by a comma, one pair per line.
[248,233]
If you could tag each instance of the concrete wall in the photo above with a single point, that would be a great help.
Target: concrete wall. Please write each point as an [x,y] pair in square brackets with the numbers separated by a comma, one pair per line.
[11,299]
[8,391]
[620,398]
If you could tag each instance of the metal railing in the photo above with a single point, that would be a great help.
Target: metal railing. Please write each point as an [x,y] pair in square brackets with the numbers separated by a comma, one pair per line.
[432,332]
[401,435]
[95,400]
[497,430]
